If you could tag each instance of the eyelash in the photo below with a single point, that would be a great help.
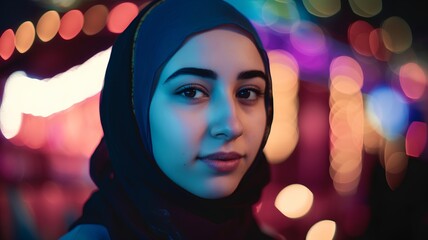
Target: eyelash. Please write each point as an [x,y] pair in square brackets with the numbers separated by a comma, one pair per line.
[192,87]
[258,93]
[196,88]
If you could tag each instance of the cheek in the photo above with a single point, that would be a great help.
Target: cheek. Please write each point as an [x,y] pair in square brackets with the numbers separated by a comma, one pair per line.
[175,136]
[255,128]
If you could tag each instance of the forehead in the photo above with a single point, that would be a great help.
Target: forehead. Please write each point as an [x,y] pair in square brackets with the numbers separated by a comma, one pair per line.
[221,49]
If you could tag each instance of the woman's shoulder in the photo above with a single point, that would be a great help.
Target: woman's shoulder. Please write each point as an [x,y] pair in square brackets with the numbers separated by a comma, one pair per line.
[86,232]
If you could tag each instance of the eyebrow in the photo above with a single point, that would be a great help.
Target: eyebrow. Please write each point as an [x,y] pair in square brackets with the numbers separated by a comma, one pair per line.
[210,74]
[199,72]
[252,74]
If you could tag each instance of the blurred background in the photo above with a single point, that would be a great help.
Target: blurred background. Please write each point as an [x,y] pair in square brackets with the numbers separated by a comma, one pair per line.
[348,147]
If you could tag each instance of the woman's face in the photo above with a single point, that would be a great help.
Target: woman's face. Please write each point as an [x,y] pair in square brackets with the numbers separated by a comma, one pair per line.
[207,115]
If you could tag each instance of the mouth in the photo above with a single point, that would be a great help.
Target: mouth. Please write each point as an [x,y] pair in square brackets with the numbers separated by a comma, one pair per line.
[222,162]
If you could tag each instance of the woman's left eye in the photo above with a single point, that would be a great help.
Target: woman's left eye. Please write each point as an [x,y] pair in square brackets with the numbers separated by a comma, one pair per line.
[249,94]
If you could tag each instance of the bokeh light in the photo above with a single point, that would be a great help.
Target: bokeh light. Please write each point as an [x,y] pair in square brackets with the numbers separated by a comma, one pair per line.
[366,8]
[322,230]
[396,34]
[358,37]
[388,112]
[346,124]
[395,161]
[10,114]
[44,97]
[61,5]
[308,38]
[377,45]
[416,138]
[7,44]
[284,136]
[322,8]
[24,37]
[413,80]
[48,25]
[121,16]
[71,24]
[346,75]
[294,201]
[33,132]
[280,15]
[95,19]
[373,141]
[346,137]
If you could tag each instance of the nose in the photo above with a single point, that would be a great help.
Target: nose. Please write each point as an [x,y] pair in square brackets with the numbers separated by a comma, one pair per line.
[225,118]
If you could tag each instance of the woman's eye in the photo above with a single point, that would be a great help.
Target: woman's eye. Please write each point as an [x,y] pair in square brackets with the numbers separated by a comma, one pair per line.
[249,94]
[192,92]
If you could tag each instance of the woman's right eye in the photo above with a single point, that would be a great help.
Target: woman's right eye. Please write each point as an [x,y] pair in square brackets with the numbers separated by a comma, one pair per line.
[192,92]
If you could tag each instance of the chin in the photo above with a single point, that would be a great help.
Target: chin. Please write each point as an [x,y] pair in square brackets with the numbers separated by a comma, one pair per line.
[218,190]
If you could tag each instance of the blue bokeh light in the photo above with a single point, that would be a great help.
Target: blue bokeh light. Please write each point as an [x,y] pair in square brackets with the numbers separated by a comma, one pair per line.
[388,112]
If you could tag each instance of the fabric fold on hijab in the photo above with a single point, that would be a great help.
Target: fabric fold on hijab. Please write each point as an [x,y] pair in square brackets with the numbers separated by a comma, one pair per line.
[135,199]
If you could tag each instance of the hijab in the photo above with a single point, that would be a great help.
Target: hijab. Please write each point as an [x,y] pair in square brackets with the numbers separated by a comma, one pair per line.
[135,199]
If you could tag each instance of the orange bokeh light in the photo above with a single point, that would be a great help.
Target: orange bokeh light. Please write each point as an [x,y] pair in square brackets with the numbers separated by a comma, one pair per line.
[25,35]
[48,25]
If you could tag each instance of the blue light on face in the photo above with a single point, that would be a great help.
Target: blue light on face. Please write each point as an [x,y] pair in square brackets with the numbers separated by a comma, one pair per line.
[388,112]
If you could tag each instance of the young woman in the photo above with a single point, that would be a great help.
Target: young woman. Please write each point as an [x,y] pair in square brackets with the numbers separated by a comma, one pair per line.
[186,110]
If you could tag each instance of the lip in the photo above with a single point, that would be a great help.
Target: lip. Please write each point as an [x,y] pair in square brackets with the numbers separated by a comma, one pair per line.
[222,162]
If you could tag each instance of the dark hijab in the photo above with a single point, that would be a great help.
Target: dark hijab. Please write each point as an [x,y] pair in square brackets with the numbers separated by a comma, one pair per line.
[136,200]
